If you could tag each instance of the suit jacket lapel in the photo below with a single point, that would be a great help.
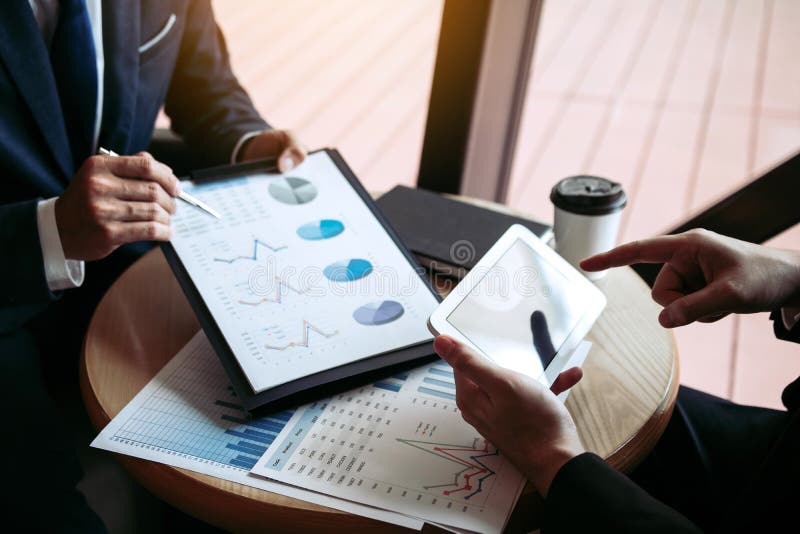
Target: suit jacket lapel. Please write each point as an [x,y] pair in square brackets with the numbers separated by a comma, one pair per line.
[121,57]
[25,55]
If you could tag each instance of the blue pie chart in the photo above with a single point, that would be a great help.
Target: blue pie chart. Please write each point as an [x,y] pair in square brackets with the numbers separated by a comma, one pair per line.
[378,312]
[347,270]
[324,229]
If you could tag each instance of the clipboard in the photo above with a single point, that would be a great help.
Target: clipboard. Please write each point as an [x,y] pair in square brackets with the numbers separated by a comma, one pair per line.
[325,382]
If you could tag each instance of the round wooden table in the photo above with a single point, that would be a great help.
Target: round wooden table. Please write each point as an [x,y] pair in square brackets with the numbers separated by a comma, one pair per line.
[621,406]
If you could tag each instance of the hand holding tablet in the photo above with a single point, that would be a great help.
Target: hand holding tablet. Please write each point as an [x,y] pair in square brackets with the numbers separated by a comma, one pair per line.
[522,306]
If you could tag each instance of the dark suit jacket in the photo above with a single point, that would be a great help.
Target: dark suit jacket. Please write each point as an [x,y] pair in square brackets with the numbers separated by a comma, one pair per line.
[589,496]
[188,71]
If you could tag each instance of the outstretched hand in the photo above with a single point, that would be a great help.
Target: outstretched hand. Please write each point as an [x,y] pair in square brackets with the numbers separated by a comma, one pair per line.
[706,276]
[517,414]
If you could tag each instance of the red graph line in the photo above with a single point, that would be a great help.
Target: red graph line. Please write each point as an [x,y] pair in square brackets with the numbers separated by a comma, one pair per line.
[478,469]
[278,295]
[307,327]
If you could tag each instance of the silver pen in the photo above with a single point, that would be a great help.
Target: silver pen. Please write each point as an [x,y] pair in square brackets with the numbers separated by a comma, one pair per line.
[186,197]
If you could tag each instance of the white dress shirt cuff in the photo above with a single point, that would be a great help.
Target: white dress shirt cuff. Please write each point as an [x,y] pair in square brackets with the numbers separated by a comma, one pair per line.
[60,272]
[790,317]
[240,143]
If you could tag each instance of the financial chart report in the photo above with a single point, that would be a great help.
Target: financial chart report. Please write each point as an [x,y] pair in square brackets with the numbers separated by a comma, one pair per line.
[399,444]
[298,274]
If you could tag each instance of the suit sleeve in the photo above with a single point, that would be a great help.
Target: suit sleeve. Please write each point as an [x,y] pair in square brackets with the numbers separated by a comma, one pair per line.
[780,330]
[24,286]
[205,102]
[588,495]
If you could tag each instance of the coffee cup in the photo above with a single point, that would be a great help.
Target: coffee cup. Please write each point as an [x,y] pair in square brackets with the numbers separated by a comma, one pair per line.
[588,210]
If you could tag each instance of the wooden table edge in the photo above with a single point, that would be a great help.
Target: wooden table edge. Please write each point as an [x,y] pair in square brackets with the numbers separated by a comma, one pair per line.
[161,479]
[628,455]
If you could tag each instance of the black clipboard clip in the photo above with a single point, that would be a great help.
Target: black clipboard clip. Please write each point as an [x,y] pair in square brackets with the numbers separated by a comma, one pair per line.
[227,172]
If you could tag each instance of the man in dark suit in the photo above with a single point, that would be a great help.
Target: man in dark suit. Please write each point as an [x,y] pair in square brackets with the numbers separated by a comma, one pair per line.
[719,467]
[76,75]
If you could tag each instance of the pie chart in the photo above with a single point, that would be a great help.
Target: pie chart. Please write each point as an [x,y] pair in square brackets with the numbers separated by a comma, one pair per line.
[291,190]
[378,312]
[324,229]
[347,270]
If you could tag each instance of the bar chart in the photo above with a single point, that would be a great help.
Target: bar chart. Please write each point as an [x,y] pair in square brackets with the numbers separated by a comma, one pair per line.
[187,416]
[438,382]
[194,412]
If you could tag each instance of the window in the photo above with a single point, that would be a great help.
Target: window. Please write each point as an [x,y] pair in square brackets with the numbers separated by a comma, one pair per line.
[342,73]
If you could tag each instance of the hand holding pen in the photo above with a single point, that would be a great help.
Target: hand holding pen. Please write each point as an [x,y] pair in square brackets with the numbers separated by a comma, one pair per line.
[112,201]
[186,197]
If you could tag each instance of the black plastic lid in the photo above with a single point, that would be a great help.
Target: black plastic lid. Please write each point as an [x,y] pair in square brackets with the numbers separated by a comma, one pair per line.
[588,195]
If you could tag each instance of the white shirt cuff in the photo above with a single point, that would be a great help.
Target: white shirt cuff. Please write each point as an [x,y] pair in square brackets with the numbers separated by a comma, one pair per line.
[60,272]
[790,317]
[240,143]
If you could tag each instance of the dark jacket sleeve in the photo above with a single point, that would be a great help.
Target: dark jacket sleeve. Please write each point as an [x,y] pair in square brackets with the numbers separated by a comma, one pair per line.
[24,290]
[587,495]
[205,102]
[780,329]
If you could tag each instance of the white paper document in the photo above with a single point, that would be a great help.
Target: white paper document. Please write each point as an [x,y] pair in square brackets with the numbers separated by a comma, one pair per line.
[187,416]
[398,444]
[298,274]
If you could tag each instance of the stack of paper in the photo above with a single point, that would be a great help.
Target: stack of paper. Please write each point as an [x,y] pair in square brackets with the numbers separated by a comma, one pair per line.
[396,451]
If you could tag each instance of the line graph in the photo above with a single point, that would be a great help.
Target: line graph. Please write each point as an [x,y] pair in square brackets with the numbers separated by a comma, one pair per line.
[307,328]
[254,255]
[279,283]
[387,447]
[471,459]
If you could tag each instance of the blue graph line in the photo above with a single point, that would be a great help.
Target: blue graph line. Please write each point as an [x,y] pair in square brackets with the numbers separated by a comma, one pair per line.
[448,452]
[440,372]
[253,256]
[490,472]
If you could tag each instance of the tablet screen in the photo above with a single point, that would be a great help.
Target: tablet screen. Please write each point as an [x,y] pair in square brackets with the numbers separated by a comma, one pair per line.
[521,311]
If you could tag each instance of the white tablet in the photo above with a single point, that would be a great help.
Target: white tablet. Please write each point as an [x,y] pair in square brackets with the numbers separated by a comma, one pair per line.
[522,306]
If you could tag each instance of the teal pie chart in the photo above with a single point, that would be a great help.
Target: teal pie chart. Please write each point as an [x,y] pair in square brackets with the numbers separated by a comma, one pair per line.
[347,270]
[291,190]
[324,229]
[378,312]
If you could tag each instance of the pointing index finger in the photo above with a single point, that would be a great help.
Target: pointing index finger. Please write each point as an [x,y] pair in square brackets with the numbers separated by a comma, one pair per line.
[653,250]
